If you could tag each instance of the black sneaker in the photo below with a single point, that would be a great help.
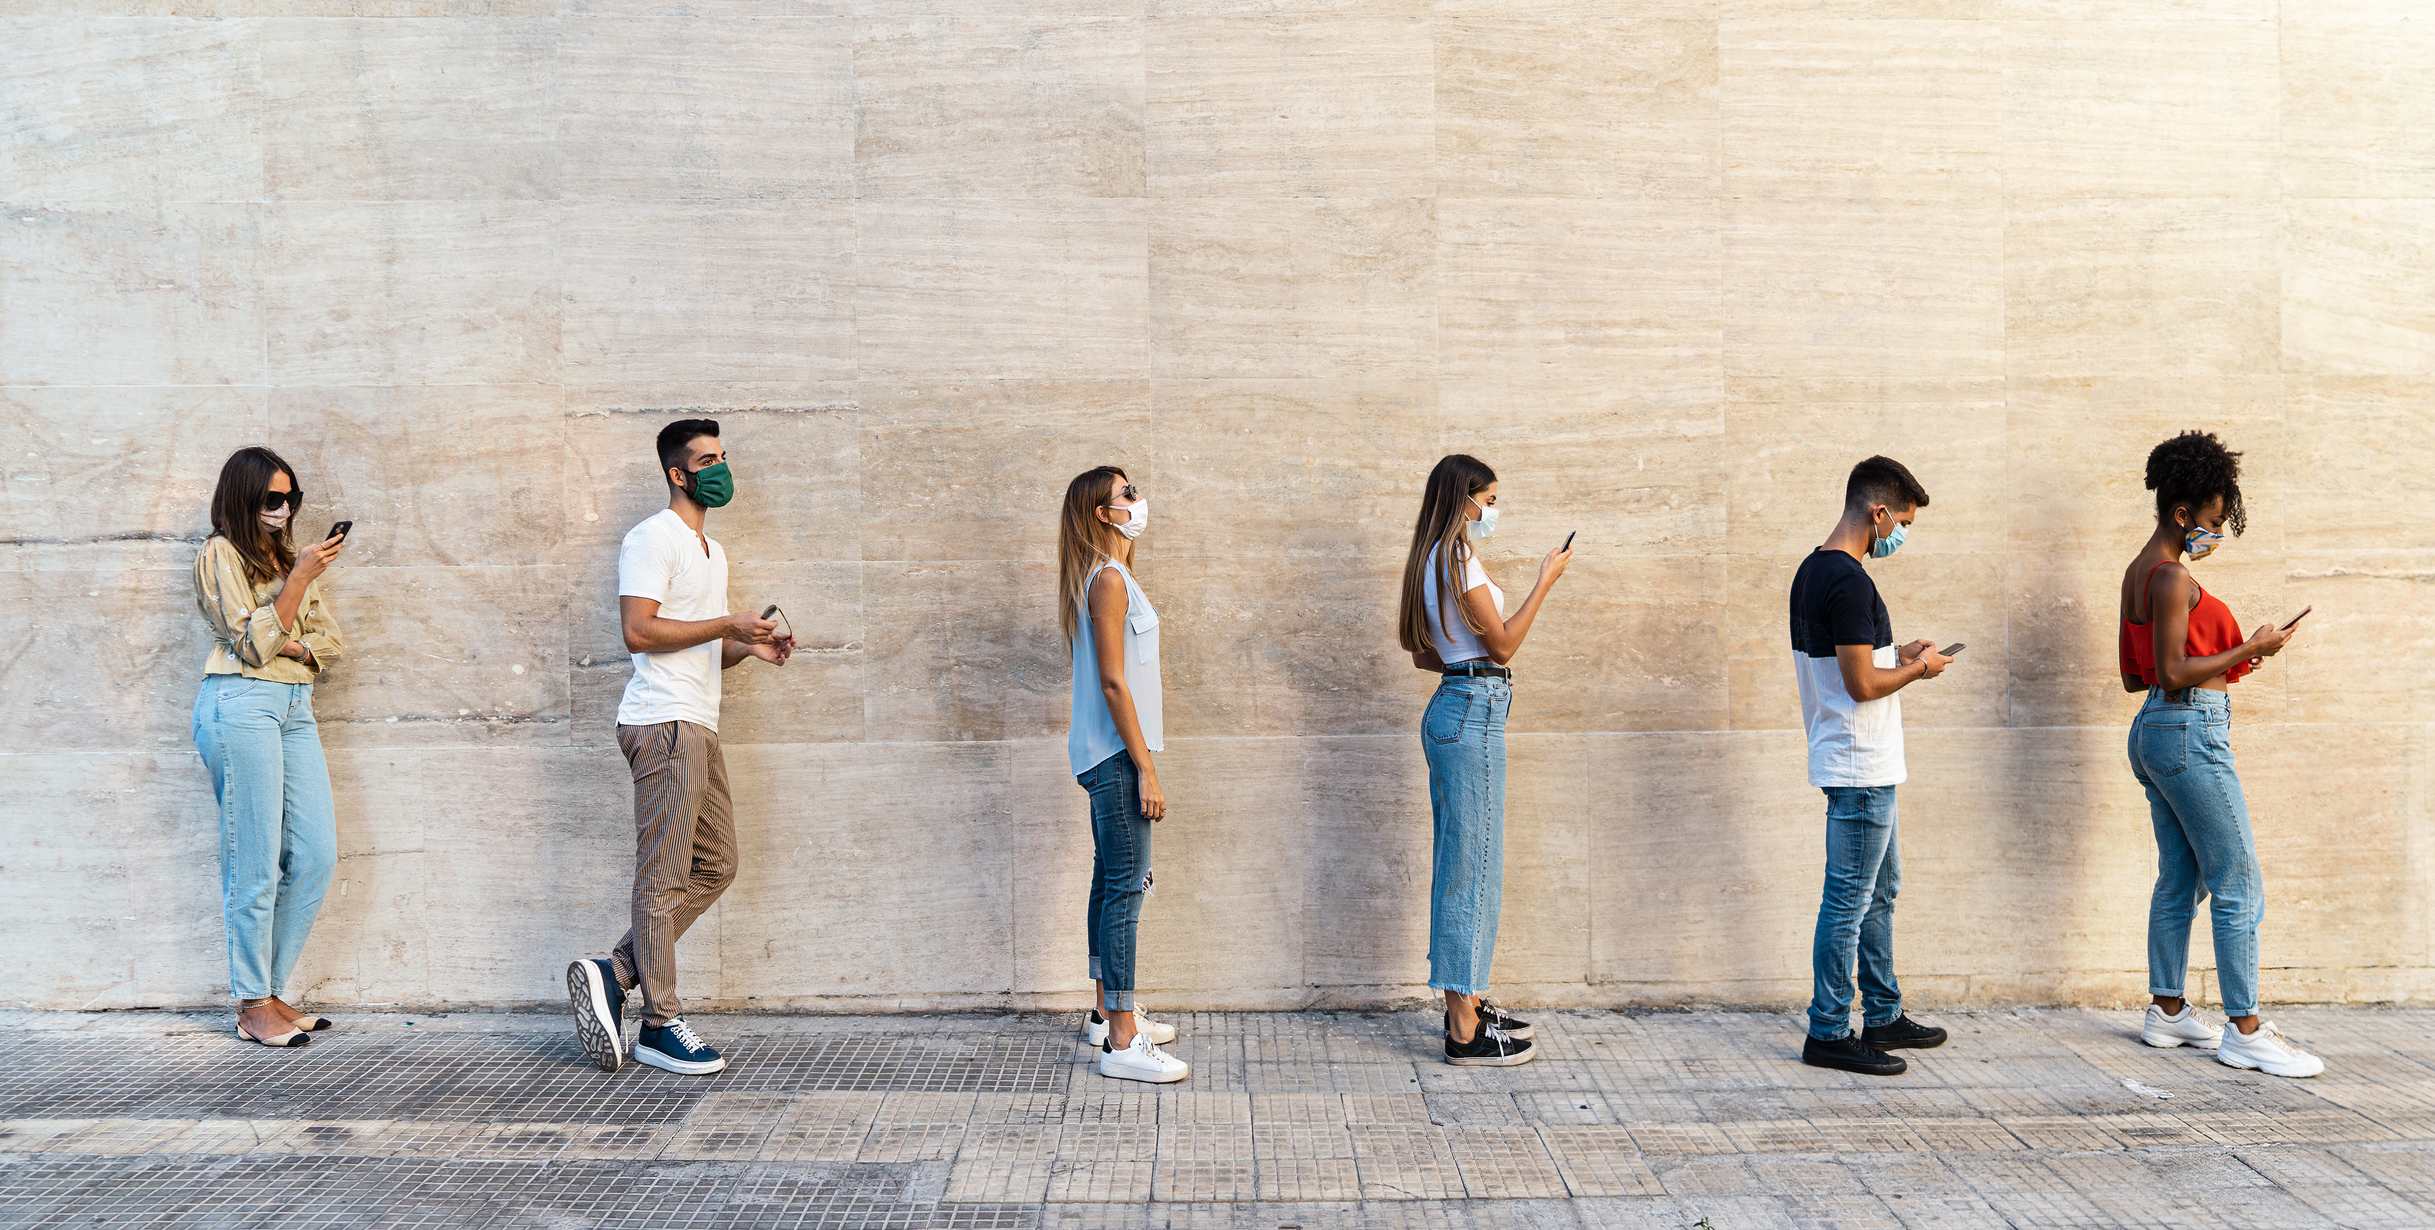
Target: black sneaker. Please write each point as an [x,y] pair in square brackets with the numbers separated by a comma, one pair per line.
[600,1012]
[1489,1047]
[1902,1032]
[1513,1027]
[1850,1054]
[676,1048]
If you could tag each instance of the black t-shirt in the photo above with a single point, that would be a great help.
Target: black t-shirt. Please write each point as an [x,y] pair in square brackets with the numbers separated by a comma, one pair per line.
[1835,603]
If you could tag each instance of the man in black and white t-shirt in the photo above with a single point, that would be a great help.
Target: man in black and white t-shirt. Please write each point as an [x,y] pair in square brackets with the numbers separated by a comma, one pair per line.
[1850,670]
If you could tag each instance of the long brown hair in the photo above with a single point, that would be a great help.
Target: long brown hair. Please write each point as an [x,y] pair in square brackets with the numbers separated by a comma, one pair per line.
[236,512]
[1438,543]
[1083,540]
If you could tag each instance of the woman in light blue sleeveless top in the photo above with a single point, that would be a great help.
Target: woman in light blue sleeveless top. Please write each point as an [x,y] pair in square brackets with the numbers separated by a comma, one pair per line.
[1452,621]
[1113,631]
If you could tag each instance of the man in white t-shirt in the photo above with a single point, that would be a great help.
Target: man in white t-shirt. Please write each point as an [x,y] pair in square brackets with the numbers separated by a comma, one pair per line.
[672,602]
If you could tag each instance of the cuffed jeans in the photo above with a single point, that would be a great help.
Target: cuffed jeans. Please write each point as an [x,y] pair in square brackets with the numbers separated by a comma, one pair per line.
[1856,912]
[2181,752]
[1120,874]
[1462,734]
[278,827]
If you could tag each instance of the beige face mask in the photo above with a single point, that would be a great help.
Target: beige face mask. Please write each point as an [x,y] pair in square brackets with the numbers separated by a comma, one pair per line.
[277,521]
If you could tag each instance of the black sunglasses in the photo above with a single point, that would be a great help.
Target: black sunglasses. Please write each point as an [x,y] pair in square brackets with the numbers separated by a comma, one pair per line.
[273,501]
[1129,491]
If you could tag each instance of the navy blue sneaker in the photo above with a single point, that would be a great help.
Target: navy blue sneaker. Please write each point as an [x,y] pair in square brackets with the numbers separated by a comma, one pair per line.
[677,1048]
[600,1012]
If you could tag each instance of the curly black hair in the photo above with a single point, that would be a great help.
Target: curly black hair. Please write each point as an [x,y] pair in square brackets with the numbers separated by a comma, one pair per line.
[2194,468]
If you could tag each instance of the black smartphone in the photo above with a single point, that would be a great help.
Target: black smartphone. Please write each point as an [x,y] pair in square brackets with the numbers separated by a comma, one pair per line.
[1954,648]
[2295,620]
[339,529]
[1568,542]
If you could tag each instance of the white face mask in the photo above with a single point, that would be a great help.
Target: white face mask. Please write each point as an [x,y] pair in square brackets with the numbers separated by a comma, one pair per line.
[278,521]
[1132,527]
[1486,525]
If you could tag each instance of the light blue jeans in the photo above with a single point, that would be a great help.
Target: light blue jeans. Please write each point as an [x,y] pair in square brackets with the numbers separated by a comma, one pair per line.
[1856,912]
[1120,875]
[278,829]
[1462,733]
[2181,752]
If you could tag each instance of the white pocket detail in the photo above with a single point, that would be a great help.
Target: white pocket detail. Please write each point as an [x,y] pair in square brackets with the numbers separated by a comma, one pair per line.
[1145,637]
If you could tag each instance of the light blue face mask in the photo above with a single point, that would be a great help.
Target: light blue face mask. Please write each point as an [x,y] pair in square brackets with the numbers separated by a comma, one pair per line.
[1891,543]
[1486,525]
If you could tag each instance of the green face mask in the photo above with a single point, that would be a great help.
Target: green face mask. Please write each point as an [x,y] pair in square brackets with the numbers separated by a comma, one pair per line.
[713,486]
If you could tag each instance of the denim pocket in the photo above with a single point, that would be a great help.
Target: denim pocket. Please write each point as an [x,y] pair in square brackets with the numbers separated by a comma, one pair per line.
[2164,747]
[1449,711]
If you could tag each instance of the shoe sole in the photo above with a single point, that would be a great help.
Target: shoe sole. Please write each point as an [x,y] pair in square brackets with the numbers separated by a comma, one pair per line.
[1896,1069]
[592,1018]
[2259,1067]
[1515,1060]
[1146,1078]
[682,1067]
[2198,1044]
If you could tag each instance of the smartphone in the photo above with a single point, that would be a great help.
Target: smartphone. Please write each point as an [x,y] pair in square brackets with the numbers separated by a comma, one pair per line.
[339,529]
[1568,542]
[1954,648]
[2295,620]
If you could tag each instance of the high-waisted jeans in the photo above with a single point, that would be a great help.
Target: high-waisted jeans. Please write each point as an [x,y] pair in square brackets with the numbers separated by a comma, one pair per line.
[1462,733]
[2181,752]
[1120,874]
[278,828]
[1856,912]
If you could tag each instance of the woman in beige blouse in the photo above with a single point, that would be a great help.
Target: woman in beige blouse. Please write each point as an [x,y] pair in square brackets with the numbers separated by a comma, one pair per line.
[272,636]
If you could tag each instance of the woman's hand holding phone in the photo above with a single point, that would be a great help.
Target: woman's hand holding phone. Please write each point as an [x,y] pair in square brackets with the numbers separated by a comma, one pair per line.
[312,561]
[1556,562]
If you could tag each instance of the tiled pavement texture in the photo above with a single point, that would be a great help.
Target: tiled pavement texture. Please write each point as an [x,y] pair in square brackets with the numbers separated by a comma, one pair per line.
[1309,1120]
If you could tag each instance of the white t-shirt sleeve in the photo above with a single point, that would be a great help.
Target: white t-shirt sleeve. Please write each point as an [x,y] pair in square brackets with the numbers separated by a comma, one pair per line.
[1474,576]
[646,565]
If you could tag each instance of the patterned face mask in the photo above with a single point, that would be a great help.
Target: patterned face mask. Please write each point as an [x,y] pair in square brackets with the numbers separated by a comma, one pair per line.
[2201,542]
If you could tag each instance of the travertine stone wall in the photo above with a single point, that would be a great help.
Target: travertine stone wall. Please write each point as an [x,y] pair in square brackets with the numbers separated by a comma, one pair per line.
[1670,266]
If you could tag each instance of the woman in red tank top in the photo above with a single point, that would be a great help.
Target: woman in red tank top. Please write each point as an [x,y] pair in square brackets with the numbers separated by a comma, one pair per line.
[2181,646]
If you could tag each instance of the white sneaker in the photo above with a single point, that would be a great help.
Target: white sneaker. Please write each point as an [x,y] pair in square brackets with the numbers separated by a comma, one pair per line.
[2267,1051]
[2182,1030]
[1095,1028]
[1142,1061]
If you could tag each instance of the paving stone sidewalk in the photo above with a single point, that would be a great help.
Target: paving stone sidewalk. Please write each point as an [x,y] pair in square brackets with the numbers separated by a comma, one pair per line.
[1309,1120]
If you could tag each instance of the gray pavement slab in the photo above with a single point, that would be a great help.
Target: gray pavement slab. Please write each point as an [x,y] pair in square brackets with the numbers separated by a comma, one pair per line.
[1310,1120]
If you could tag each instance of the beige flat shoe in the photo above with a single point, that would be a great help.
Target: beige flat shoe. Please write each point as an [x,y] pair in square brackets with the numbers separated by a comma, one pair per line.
[293,1037]
[309,1024]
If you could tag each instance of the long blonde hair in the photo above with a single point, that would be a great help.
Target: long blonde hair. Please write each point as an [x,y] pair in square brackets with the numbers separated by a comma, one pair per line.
[1083,541]
[1438,543]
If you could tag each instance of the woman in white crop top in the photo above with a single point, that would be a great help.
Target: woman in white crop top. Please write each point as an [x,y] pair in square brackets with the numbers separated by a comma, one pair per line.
[1453,622]
[1113,632]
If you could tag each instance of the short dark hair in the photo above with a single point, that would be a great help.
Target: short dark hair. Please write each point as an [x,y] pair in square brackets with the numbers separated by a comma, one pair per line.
[676,436]
[2194,468]
[1883,480]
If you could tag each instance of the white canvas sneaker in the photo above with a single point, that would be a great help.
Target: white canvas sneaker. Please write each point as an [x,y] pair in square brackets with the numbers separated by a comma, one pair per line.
[1095,1028]
[2183,1030]
[1142,1061]
[2268,1052]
